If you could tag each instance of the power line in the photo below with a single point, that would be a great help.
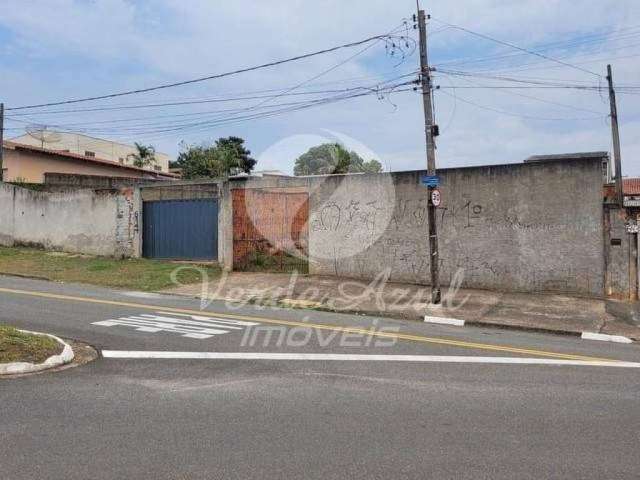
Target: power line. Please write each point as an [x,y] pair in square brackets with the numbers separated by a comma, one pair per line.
[29,119]
[199,101]
[236,120]
[522,49]
[378,87]
[567,81]
[346,60]
[531,81]
[226,96]
[579,41]
[239,115]
[510,87]
[209,77]
[542,100]
[536,64]
[512,114]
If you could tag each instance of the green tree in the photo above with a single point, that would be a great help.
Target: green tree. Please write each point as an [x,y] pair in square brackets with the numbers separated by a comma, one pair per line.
[228,156]
[144,156]
[331,158]
[234,150]
[372,166]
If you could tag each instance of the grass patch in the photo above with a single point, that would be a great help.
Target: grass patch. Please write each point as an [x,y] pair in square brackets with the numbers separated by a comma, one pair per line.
[16,346]
[280,262]
[134,273]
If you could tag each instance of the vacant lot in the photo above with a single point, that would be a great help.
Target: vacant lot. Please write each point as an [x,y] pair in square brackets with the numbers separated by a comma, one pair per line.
[135,274]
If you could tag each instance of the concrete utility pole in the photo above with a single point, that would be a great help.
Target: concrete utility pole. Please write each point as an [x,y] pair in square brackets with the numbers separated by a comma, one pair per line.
[431,131]
[1,141]
[616,138]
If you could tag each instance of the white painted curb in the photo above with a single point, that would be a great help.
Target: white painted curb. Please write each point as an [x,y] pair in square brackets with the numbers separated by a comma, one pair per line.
[444,321]
[53,361]
[605,338]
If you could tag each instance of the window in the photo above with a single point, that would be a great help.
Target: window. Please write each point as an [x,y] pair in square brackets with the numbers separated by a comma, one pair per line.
[157,168]
[605,171]
[88,153]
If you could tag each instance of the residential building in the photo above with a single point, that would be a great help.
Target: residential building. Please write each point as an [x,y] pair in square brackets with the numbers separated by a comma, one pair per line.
[631,191]
[30,164]
[89,147]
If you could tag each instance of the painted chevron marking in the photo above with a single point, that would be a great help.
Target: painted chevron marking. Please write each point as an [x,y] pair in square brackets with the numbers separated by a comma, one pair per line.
[193,326]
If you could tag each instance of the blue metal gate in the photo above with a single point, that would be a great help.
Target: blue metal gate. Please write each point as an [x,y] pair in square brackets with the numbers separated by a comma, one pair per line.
[180,229]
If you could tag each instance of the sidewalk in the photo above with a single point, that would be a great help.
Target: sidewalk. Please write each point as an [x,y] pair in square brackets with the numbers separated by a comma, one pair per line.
[544,312]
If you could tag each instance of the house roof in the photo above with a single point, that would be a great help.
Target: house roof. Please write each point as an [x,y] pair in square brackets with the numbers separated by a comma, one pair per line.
[74,156]
[631,186]
[82,135]
[262,173]
[566,156]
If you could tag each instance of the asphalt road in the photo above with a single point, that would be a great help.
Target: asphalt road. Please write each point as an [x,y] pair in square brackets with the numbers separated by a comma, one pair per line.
[244,418]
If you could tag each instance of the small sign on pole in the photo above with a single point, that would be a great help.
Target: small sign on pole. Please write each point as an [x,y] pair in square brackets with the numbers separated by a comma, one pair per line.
[430,180]
[436,198]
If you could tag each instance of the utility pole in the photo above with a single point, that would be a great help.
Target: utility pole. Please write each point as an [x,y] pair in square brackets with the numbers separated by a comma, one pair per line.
[615,133]
[1,141]
[431,131]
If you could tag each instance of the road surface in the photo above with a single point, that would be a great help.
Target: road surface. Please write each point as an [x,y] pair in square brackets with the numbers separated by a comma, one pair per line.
[269,393]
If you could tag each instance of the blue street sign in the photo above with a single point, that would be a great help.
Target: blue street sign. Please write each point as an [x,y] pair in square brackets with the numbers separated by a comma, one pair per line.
[430,180]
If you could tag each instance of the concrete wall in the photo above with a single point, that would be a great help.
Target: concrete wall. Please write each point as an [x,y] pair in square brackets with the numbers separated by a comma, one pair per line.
[180,190]
[519,227]
[225,227]
[55,182]
[75,221]
[621,251]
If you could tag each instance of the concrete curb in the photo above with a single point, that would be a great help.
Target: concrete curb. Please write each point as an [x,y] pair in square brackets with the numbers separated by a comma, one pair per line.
[429,319]
[603,337]
[66,356]
[444,321]
[24,275]
[523,328]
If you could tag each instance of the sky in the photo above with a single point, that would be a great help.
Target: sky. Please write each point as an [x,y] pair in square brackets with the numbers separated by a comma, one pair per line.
[52,50]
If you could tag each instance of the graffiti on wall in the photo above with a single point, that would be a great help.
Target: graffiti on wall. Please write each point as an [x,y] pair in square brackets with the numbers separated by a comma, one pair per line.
[395,238]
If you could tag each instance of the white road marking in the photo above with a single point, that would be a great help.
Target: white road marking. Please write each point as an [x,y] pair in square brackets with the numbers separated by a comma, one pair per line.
[605,338]
[194,326]
[181,321]
[149,326]
[217,320]
[444,321]
[360,358]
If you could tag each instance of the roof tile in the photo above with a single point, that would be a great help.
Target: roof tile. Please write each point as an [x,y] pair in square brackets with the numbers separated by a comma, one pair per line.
[22,146]
[631,186]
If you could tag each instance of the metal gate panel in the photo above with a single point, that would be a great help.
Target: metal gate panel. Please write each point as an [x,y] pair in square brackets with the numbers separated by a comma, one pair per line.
[181,229]
[270,229]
